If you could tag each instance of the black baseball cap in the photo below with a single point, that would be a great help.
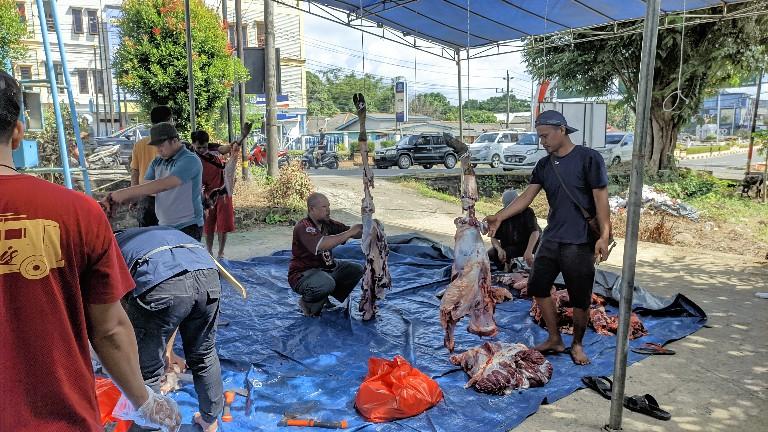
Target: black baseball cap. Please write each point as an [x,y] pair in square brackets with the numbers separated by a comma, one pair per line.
[554,118]
[161,132]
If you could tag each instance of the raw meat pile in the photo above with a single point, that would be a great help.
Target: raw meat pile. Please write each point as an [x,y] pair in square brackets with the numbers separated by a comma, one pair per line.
[517,280]
[500,368]
[599,319]
[376,280]
[469,292]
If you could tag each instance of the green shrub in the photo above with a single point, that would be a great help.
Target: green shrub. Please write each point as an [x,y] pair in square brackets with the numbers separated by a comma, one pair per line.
[354,147]
[387,144]
[692,184]
[291,187]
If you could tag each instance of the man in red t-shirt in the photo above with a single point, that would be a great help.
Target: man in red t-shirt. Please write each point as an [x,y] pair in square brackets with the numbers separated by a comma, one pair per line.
[61,280]
[313,273]
[220,218]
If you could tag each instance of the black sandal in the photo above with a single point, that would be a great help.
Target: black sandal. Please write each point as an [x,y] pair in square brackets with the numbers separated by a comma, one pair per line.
[646,405]
[601,384]
[650,348]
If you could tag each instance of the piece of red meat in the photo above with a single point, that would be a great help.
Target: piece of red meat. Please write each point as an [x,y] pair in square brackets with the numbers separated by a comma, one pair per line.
[500,368]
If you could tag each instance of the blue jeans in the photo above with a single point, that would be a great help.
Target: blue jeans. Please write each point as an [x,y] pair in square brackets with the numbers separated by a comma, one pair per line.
[189,302]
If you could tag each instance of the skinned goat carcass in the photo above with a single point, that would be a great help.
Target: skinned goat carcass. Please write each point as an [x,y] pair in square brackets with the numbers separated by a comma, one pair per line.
[376,279]
[469,292]
[517,281]
[500,368]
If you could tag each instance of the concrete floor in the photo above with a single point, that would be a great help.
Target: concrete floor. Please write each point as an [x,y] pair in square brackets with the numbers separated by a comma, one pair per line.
[717,381]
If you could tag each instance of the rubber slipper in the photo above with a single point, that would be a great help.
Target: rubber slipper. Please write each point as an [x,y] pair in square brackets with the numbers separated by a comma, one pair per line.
[650,348]
[646,405]
[548,352]
[601,384]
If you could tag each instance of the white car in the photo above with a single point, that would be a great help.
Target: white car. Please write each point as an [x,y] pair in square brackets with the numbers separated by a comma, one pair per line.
[489,147]
[618,147]
[524,154]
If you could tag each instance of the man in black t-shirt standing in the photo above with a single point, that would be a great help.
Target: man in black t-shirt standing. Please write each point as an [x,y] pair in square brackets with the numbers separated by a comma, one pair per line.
[516,236]
[567,245]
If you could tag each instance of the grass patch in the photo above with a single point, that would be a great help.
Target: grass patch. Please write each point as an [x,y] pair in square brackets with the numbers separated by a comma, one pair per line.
[706,149]
[735,210]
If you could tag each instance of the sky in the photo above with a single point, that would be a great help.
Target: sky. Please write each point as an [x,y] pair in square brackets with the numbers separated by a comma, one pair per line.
[329,45]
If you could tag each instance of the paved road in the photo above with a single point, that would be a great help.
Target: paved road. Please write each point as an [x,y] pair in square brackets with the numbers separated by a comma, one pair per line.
[726,167]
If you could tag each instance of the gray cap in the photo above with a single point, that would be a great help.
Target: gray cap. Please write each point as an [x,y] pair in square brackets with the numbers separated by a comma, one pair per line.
[508,196]
[161,132]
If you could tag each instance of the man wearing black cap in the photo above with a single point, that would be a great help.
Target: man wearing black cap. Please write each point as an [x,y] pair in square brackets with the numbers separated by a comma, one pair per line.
[574,177]
[175,178]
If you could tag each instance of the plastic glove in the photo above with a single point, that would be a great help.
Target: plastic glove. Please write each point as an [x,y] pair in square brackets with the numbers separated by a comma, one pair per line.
[158,412]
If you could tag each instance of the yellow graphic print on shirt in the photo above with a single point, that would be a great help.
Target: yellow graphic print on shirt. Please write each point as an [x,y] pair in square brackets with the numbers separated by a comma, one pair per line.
[31,247]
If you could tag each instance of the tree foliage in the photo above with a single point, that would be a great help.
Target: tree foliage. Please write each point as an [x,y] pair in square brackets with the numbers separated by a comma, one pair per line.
[471,116]
[432,104]
[713,53]
[331,92]
[12,32]
[151,61]
[498,104]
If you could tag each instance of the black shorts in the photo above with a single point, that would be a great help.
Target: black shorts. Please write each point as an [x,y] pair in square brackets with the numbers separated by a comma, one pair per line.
[575,261]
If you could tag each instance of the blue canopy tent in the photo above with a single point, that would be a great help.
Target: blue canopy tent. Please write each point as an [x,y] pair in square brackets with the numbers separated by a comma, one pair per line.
[465,29]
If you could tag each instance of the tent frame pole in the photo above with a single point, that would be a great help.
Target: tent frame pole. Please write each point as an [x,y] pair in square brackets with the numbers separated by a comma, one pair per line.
[643,134]
[461,102]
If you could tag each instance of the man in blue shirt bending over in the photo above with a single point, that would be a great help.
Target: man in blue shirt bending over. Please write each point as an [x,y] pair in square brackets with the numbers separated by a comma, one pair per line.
[574,177]
[175,177]
[177,287]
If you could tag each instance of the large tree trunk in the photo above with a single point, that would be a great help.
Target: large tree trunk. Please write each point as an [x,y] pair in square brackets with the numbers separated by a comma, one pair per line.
[659,152]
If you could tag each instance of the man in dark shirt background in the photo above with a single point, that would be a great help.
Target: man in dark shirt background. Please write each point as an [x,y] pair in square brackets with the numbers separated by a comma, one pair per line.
[573,176]
[516,236]
[313,272]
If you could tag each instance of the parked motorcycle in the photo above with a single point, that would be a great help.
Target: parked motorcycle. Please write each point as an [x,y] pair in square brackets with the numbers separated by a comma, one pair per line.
[329,159]
[258,156]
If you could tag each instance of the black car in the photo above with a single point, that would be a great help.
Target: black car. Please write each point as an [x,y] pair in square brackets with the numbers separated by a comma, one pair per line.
[426,149]
[125,138]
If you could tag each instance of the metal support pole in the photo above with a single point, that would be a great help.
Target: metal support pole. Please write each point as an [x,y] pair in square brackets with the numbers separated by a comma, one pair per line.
[190,73]
[119,108]
[643,135]
[71,97]
[230,132]
[270,63]
[54,95]
[717,135]
[507,98]
[241,85]
[754,121]
[461,102]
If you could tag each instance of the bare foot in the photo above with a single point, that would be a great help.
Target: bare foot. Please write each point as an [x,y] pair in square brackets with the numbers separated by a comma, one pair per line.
[207,427]
[551,346]
[578,356]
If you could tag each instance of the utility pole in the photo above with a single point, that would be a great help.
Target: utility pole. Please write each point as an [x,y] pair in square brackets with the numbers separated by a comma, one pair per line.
[270,62]
[97,114]
[241,85]
[507,98]
[107,72]
[457,53]
[230,132]
[754,120]
[190,72]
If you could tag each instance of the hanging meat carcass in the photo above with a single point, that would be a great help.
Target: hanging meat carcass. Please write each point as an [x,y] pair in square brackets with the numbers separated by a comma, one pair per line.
[500,368]
[469,292]
[376,280]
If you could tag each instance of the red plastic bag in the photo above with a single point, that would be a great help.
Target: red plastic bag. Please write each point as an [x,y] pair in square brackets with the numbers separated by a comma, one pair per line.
[393,389]
[107,395]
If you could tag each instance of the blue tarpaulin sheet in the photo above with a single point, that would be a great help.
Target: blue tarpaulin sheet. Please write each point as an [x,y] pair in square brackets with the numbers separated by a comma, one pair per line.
[312,367]
[466,23]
